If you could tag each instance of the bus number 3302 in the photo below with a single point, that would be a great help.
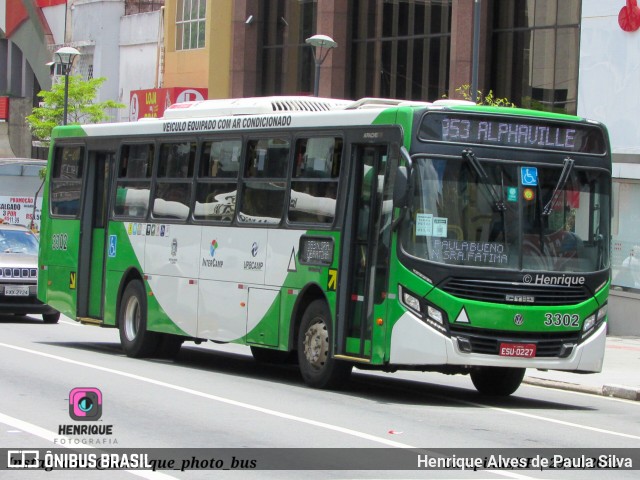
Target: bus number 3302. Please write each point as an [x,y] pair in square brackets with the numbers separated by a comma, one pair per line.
[561,320]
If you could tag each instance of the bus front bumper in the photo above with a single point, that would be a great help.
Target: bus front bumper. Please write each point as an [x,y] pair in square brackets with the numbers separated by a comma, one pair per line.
[413,343]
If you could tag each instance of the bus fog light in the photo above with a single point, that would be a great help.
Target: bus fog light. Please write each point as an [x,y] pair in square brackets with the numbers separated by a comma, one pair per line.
[434,314]
[589,323]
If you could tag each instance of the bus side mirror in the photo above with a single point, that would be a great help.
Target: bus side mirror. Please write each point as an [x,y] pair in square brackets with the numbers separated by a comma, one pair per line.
[400,189]
[402,185]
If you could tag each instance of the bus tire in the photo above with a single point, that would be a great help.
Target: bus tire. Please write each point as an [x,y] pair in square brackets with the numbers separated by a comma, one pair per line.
[51,317]
[497,381]
[136,340]
[318,368]
[268,355]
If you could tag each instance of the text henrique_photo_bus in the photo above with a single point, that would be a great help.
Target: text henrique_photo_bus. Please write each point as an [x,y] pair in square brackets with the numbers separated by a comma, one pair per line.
[376,234]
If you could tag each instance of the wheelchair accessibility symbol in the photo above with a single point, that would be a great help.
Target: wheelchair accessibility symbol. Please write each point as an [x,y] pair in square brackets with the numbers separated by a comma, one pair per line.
[529,176]
[113,241]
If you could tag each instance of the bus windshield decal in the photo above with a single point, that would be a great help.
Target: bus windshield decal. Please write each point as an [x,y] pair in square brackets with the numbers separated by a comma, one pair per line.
[429,226]
[511,132]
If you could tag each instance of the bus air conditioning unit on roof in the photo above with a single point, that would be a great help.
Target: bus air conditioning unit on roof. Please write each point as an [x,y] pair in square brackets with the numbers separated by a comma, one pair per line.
[253,106]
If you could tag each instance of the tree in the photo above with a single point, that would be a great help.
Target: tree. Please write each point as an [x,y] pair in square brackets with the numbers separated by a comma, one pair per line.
[483,99]
[81,106]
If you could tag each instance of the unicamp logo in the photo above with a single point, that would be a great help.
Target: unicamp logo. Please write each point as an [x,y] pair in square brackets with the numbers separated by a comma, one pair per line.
[85,405]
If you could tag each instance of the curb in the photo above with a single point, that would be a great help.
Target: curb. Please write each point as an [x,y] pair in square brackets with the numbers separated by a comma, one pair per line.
[617,391]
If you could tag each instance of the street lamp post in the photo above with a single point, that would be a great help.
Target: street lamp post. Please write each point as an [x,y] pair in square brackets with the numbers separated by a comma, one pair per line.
[320,41]
[66,56]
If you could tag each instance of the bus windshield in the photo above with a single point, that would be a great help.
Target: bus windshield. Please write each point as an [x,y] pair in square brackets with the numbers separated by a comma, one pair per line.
[508,215]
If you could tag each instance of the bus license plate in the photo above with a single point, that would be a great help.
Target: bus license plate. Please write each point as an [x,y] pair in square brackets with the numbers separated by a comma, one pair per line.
[17,291]
[526,350]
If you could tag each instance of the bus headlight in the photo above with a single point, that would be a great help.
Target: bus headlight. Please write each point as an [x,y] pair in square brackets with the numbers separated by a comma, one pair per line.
[410,301]
[589,323]
[431,315]
[593,321]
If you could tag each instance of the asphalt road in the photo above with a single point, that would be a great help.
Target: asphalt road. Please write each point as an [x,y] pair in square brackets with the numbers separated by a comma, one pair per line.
[217,396]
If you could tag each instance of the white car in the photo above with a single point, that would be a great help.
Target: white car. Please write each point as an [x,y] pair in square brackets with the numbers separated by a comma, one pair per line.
[19,274]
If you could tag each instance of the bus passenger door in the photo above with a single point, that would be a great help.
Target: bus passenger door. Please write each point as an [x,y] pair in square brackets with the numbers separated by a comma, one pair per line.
[90,278]
[366,246]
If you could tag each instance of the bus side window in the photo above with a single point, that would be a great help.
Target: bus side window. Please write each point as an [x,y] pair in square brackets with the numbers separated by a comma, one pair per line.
[217,181]
[314,184]
[175,171]
[263,200]
[134,180]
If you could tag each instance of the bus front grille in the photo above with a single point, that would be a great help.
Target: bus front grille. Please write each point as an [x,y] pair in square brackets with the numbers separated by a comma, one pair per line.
[474,340]
[515,293]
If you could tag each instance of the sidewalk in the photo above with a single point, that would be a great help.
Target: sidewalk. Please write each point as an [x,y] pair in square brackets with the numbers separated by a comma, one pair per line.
[620,376]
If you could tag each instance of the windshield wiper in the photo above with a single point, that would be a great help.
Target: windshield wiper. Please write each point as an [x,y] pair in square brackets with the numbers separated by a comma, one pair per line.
[484,179]
[562,181]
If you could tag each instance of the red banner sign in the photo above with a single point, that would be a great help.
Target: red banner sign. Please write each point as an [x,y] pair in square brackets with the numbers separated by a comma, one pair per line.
[153,102]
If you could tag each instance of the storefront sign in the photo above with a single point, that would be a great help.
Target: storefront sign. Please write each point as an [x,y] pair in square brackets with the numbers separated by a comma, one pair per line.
[153,102]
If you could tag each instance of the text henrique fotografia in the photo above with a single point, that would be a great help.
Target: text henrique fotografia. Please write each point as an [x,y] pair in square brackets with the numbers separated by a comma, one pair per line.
[85,405]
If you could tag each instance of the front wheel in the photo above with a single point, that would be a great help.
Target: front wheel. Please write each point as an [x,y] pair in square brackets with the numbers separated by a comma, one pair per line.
[51,317]
[135,339]
[497,381]
[318,368]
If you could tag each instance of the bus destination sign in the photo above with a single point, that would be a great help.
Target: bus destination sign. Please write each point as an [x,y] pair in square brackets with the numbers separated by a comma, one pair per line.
[512,132]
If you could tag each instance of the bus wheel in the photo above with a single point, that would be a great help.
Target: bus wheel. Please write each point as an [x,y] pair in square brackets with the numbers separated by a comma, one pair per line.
[267,355]
[318,368]
[497,381]
[136,340]
[51,317]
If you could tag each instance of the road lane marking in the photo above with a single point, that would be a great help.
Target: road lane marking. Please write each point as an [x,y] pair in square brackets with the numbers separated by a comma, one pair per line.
[248,406]
[51,436]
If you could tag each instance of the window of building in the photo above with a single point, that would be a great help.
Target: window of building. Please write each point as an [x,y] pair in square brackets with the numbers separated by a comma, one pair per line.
[400,48]
[286,63]
[625,238]
[190,24]
[536,48]
[133,7]
[217,182]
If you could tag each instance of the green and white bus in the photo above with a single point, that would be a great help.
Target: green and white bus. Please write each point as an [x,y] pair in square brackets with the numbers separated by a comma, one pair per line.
[380,234]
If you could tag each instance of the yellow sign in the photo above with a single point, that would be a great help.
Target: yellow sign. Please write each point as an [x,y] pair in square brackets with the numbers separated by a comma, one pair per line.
[72,280]
[332,284]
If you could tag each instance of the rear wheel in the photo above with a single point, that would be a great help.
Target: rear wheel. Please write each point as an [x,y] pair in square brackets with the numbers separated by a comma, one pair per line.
[51,317]
[318,368]
[135,339]
[497,381]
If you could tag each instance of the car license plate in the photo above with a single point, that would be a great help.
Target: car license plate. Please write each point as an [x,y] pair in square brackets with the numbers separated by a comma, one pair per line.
[526,350]
[16,291]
